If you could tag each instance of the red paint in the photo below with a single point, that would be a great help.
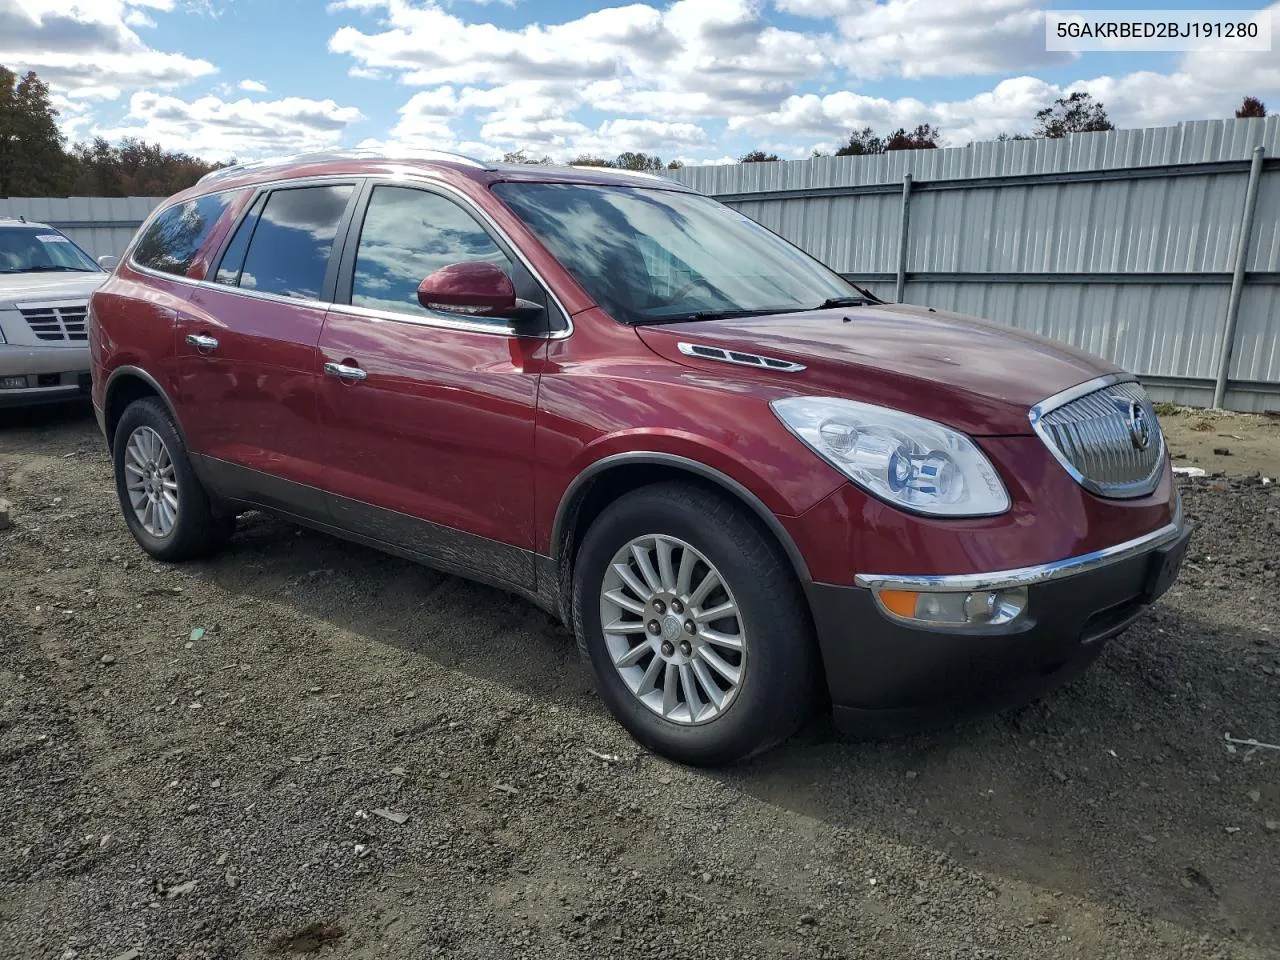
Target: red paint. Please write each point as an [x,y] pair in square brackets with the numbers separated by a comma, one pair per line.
[251,401]
[479,287]
[485,433]
[442,428]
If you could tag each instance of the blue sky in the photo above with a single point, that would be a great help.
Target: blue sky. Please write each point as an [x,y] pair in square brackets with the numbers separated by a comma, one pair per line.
[697,80]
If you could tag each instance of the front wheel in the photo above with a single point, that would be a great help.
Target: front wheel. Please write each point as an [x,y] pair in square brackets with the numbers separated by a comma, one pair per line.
[694,625]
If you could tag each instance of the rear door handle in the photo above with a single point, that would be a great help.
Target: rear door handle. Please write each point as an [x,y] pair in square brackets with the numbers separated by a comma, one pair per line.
[201,342]
[344,372]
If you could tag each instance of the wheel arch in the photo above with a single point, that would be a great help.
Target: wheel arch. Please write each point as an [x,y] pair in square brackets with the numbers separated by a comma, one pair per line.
[606,479]
[125,385]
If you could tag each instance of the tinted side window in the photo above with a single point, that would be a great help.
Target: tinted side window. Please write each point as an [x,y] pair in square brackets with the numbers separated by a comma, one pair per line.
[173,239]
[233,256]
[290,248]
[408,234]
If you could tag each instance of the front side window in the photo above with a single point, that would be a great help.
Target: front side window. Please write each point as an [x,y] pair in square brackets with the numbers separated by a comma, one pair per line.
[408,235]
[289,250]
[26,249]
[174,238]
[651,256]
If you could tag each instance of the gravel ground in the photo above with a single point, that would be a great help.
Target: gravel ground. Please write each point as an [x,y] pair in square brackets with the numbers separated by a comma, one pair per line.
[193,760]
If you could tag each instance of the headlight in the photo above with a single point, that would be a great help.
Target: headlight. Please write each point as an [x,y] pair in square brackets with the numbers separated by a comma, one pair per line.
[911,462]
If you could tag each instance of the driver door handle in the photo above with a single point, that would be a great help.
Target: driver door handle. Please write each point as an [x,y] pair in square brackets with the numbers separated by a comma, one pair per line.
[201,342]
[344,372]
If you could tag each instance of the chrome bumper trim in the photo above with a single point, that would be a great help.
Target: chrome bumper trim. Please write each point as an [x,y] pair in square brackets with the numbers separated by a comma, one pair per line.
[1028,576]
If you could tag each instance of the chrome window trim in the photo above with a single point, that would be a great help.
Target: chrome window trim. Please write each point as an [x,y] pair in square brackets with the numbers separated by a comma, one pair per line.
[407,177]
[1128,491]
[1028,576]
[498,327]
[236,291]
[704,351]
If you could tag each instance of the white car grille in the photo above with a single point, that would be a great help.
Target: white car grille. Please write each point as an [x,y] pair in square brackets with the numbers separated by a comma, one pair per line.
[57,322]
[1107,438]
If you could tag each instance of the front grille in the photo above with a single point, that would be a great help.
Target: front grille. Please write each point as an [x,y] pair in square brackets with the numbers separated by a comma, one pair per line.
[1098,435]
[60,323]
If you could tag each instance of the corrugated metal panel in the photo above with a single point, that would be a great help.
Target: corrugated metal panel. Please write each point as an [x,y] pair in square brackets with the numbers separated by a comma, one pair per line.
[1143,328]
[101,225]
[1185,224]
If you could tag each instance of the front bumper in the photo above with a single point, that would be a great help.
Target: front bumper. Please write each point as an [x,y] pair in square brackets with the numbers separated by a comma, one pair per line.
[51,374]
[887,675]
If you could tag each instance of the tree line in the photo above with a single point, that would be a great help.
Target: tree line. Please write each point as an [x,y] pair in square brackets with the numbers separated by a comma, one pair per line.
[35,160]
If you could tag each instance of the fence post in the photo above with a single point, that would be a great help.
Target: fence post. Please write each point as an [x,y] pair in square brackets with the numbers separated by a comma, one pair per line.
[1237,280]
[902,236]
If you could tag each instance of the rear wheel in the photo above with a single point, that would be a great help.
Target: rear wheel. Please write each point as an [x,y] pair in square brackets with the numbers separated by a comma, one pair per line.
[695,628]
[164,504]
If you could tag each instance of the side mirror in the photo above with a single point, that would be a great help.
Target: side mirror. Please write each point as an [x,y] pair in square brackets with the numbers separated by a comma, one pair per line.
[476,287]
[108,262]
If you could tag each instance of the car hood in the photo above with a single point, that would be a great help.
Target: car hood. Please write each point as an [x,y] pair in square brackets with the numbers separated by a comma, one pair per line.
[22,288]
[971,374]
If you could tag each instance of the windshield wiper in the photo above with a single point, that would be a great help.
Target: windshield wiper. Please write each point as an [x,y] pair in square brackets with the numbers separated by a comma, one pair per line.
[834,302]
[710,315]
[52,268]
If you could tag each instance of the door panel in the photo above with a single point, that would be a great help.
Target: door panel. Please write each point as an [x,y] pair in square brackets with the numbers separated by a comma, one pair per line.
[430,445]
[248,360]
[440,429]
[251,398]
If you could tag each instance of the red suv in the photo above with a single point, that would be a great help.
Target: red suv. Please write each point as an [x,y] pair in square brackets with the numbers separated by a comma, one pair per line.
[750,487]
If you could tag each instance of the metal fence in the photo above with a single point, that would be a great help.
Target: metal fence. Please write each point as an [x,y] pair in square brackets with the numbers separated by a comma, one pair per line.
[1126,244]
[101,225]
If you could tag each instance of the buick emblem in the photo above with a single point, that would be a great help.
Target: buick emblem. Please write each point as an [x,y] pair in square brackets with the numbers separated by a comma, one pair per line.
[1139,427]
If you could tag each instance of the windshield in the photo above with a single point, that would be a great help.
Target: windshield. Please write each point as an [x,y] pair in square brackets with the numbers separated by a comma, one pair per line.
[41,249]
[649,256]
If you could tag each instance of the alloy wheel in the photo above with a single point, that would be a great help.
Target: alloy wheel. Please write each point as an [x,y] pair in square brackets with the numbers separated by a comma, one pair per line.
[151,482]
[673,629]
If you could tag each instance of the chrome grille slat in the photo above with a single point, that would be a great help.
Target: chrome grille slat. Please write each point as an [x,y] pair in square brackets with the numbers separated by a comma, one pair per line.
[57,323]
[1088,430]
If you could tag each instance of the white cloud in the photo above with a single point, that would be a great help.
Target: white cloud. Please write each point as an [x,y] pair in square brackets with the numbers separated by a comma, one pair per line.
[253,86]
[136,18]
[922,38]
[217,129]
[87,49]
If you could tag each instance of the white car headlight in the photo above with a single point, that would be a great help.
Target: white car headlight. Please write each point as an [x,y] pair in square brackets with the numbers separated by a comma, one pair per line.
[911,462]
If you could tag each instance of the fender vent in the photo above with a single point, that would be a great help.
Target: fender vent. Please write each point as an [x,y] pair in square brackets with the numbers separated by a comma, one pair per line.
[705,352]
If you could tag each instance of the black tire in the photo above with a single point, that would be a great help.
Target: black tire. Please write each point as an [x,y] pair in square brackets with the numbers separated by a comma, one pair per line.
[197,531]
[777,692]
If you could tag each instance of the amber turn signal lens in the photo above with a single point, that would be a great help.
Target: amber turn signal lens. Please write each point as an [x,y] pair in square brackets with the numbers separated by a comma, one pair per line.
[901,602]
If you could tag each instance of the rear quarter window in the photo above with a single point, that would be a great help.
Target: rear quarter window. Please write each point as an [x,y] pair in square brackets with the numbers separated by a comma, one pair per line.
[171,242]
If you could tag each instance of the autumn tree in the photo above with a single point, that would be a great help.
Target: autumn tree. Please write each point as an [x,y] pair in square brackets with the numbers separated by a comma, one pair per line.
[759,156]
[923,137]
[866,142]
[32,161]
[1076,113]
[134,168]
[862,142]
[1251,107]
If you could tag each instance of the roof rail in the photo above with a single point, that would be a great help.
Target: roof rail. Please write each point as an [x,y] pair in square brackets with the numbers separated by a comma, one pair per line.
[353,153]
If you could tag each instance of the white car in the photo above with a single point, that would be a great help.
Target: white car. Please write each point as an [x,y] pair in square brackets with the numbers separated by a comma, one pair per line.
[45,282]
